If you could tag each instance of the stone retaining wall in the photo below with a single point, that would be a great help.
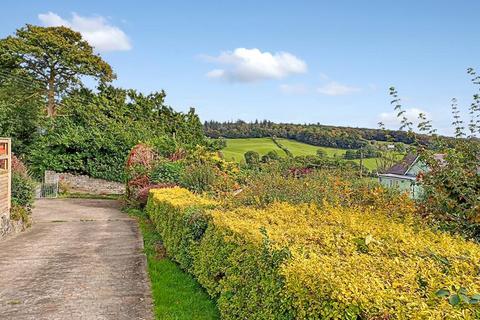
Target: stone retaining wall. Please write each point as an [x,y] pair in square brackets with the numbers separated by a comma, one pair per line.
[84,184]
[9,226]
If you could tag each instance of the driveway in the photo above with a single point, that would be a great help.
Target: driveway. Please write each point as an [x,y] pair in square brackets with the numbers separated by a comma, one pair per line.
[82,259]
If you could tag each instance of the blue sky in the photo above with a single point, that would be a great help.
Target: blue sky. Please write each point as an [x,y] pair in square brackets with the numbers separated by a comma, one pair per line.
[291,61]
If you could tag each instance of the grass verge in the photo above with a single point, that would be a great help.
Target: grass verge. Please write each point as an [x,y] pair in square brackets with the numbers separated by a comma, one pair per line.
[176,294]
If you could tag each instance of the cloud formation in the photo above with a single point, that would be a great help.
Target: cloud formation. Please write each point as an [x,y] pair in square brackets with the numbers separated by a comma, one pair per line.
[96,30]
[251,65]
[390,119]
[337,89]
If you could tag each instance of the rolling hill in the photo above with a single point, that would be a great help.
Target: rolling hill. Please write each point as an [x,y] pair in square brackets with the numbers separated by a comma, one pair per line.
[236,148]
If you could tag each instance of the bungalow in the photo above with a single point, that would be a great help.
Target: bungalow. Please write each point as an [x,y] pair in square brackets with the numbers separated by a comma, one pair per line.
[403,175]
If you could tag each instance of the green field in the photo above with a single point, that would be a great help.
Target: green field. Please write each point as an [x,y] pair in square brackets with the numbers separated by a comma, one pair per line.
[236,148]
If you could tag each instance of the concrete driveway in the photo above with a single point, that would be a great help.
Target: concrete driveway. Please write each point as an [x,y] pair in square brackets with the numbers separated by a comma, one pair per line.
[82,259]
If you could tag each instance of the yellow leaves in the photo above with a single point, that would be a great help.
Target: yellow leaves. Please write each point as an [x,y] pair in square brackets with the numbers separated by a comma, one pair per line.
[180,197]
[354,257]
[327,263]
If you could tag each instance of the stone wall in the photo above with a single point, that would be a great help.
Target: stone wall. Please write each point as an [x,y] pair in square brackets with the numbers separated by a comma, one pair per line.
[9,226]
[84,184]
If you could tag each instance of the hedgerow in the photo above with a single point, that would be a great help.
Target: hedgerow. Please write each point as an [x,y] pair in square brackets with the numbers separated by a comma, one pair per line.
[178,226]
[94,132]
[303,261]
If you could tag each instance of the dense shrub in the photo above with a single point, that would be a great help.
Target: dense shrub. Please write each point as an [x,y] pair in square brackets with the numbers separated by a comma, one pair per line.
[197,169]
[202,250]
[271,156]
[252,158]
[95,132]
[338,187]
[164,145]
[451,189]
[23,190]
[167,172]
[199,177]
[18,213]
[23,186]
[305,262]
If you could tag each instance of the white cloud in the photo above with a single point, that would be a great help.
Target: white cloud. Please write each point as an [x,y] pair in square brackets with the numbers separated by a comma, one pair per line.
[390,119]
[293,88]
[96,30]
[337,89]
[250,65]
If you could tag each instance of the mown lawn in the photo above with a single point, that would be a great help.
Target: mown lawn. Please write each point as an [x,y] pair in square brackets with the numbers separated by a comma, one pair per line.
[236,148]
[176,294]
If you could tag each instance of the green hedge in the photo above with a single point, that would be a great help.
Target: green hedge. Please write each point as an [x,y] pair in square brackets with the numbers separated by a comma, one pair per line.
[242,276]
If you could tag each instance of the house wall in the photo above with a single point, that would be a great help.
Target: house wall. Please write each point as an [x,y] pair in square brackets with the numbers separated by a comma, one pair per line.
[403,185]
[417,167]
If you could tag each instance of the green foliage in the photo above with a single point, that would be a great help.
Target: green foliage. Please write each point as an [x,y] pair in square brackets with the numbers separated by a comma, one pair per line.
[216,144]
[163,145]
[271,156]
[451,185]
[199,177]
[364,153]
[458,296]
[252,158]
[288,153]
[167,172]
[19,213]
[340,187]
[21,108]
[451,189]
[56,57]
[321,153]
[313,134]
[237,148]
[94,132]
[23,190]
[350,154]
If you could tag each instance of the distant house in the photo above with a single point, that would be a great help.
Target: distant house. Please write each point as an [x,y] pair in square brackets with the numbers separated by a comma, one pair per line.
[403,175]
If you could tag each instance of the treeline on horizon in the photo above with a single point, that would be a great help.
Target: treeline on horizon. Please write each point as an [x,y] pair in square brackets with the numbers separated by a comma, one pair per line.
[314,134]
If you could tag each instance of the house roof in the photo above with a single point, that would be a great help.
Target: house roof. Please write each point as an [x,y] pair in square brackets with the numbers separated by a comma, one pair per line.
[402,167]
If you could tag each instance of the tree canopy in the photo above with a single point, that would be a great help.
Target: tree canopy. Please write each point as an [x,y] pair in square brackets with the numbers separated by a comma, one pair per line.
[55,57]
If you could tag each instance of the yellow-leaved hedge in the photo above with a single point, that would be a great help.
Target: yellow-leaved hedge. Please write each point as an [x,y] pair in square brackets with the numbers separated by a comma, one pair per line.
[180,197]
[304,262]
